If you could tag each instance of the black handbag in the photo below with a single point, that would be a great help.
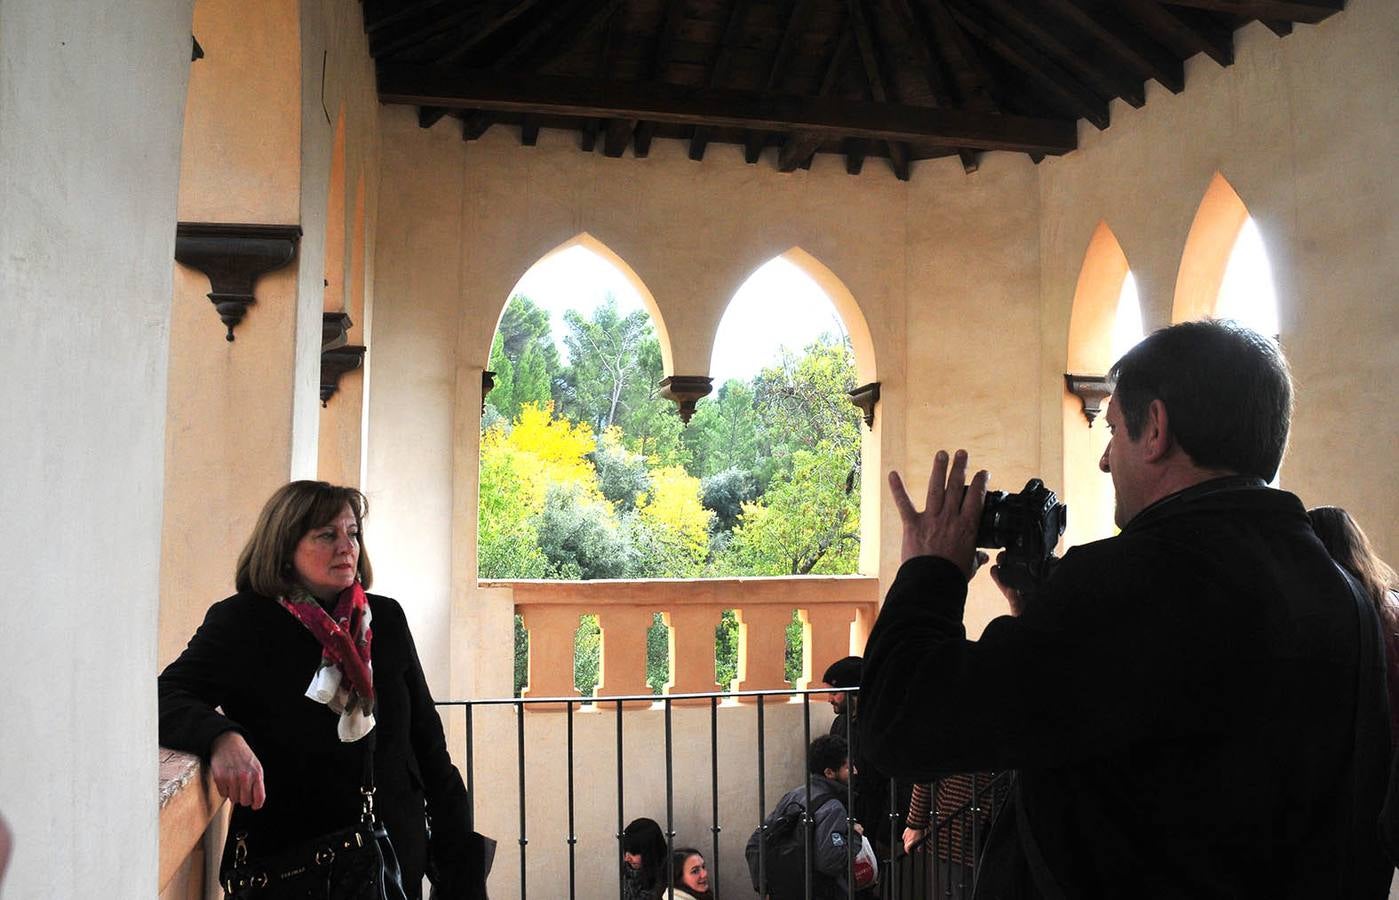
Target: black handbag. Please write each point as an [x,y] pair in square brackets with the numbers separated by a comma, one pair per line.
[356,863]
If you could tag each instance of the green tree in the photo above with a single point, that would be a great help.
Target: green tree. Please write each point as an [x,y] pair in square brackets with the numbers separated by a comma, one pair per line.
[808,522]
[605,365]
[802,402]
[622,475]
[724,493]
[725,432]
[524,358]
[580,535]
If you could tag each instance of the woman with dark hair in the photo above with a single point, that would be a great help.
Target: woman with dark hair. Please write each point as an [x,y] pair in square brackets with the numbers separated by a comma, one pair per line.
[1351,549]
[689,878]
[643,860]
[309,692]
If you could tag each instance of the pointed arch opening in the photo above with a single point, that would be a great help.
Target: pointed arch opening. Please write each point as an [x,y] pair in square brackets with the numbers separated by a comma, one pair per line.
[1224,269]
[1105,323]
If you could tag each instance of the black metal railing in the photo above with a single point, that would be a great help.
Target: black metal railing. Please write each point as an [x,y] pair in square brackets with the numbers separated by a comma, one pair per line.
[923,873]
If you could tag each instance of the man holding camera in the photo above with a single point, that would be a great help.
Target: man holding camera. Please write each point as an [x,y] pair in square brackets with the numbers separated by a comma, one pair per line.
[1195,707]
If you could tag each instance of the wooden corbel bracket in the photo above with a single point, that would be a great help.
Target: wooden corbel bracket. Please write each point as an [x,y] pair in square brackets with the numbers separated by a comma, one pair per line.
[487,385]
[1091,391]
[335,330]
[334,364]
[686,391]
[233,257]
[865,397]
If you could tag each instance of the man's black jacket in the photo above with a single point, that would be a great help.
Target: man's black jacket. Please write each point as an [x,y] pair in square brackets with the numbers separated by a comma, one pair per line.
[1180,704]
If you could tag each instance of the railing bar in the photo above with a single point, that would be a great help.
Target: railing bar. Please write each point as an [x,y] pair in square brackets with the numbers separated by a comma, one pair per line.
[470,773]
[669,804]
[524,839]
[762,801]
[621,862]
[572,837]
[714,787]
[893,836]
[850,798]
[808,817]
[648,698]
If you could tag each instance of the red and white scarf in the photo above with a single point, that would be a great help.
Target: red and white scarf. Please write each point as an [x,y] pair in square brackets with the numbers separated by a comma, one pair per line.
[345,679]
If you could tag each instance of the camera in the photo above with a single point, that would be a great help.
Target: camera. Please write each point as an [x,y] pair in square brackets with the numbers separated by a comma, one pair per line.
[1027,525]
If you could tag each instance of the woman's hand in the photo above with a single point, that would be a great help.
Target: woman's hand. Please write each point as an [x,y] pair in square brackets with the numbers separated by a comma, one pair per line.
[913,836]
[236,770]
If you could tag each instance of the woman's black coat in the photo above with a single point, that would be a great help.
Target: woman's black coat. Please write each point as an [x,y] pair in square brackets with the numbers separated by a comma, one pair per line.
[253,659]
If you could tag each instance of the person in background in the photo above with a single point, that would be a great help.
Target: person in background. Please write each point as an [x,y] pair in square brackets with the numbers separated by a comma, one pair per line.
[643,860]
[285,684]
[689,877]
[1351,550]
[871,805]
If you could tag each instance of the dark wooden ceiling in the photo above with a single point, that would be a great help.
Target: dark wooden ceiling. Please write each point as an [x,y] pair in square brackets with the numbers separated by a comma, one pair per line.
[897,79]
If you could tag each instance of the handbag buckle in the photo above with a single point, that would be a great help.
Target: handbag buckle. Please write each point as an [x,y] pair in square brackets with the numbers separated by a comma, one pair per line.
[368,815]
[240,850]
[325,856]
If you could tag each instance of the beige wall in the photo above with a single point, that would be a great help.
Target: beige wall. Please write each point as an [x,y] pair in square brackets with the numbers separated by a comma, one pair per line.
[1297,126]
[244,416]
[462,222]
[89,166]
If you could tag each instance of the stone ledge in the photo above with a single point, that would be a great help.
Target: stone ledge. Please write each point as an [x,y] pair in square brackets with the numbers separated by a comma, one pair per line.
[188,802]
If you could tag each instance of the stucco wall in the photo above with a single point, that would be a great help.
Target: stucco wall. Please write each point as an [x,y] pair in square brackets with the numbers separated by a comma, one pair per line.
[928,263]
[1296,126]
[86,242]
[244,417]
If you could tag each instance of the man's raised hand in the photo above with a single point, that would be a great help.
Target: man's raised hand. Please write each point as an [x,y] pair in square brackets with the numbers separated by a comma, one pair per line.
[947,525]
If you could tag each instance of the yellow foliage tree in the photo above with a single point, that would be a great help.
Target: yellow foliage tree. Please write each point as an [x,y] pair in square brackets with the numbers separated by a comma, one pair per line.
[544,450]
[675,515]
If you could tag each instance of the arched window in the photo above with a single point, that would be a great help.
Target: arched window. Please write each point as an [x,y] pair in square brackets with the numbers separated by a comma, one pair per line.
[1246,292]
[1105,323]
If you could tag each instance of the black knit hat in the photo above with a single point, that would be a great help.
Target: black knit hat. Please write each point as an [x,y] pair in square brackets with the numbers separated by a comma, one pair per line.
[844,672]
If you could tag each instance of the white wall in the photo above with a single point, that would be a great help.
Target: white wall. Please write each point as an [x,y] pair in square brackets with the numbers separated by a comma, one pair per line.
[89,164]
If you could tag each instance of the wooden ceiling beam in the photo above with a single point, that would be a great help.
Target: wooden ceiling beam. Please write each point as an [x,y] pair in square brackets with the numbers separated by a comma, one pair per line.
[855,150]
[1278,27]
[619,133]
[1120,39]
[404,83]
[932,72]
[672,14]
[489,29]
[864,39]
[1182,38]
[529,132]
[429,116]
[1018,53]
[799,148]
[381,13]
[981,92]
[565,21]
[1308,11]
[476,123]
[798,12]
[1107,81]
[719,71]
[388,41]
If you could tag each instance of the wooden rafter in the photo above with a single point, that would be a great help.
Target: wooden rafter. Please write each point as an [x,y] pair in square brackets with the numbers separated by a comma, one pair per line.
[932,72]
[719,72]
[1309,11]
[416,85]
[562,21]
[1184,39]
[619,131]
[1046,73]
[379,14]
[488,30]
[800,147]
[864,39]
[798,11]
[1105,80]
[1117,37]
[429,116]
[672,15]
[977,86]
[386,40]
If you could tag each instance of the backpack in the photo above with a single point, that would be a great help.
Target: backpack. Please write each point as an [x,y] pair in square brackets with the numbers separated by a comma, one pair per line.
[784,856]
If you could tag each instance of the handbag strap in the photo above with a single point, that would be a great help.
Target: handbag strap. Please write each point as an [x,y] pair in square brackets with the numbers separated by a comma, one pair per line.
[366,789]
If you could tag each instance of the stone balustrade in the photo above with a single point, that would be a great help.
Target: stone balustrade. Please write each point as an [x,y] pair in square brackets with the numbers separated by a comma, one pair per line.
[837,612]
[192,822]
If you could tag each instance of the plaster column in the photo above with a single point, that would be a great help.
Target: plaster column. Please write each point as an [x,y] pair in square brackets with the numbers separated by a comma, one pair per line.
[91,99]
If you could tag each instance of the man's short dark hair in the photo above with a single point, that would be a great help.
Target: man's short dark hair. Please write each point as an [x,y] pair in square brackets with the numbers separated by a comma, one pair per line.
[1226,389]
[829,751]
[844,672]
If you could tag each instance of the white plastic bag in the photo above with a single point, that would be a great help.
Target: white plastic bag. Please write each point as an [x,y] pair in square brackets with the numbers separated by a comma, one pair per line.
[866,865]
